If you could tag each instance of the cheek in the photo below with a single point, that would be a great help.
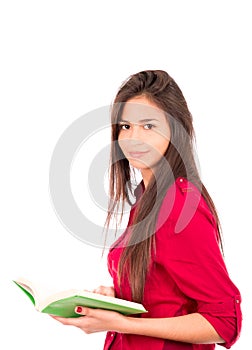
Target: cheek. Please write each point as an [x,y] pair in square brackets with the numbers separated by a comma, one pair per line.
[119,140]
[121,143]
[161,146]
[165,146]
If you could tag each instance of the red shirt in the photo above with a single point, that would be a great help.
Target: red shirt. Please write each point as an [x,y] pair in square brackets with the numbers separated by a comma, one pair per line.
[187,274]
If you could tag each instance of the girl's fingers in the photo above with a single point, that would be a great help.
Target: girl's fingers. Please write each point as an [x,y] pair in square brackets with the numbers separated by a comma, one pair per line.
[108,291]
[80,310]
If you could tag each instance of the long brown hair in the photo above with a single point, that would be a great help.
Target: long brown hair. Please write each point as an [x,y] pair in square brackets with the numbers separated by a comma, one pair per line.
[160,88]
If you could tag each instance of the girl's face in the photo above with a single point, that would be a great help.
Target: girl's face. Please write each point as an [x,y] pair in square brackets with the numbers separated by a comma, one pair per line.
[144,133]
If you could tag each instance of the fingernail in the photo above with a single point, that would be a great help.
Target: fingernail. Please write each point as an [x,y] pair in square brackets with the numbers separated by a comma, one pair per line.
[78,309]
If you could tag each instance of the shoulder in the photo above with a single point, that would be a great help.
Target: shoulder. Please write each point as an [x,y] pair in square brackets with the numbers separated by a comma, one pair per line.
[182,205]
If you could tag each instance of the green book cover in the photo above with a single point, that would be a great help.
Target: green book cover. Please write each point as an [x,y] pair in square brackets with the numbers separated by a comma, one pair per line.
[63,303]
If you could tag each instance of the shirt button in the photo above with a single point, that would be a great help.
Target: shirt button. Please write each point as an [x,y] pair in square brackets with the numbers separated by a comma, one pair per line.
[181,180]
[237,301]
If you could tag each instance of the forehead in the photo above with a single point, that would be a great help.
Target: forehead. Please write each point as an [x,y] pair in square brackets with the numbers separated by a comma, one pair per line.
[140,108]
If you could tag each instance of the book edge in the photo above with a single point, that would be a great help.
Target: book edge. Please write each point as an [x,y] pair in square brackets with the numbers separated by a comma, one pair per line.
[27,290]
[95,297]
[75,300]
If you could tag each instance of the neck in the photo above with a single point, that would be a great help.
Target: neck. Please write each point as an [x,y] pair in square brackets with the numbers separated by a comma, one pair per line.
[146,175]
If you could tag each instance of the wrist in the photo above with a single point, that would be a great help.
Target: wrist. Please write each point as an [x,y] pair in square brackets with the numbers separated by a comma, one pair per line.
[127,325]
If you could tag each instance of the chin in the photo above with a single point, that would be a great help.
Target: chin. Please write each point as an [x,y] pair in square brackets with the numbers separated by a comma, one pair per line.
[138,165]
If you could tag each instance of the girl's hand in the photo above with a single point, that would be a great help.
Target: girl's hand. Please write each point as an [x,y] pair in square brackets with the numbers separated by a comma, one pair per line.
[108,291]
[94,320]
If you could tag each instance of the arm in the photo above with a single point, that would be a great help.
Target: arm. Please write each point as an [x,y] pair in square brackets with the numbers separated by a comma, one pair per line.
[192,328]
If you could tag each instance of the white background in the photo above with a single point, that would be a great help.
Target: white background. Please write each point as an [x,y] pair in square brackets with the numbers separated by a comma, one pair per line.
[61,59]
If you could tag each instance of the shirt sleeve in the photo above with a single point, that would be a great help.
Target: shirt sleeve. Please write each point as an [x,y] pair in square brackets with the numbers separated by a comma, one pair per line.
[188,247]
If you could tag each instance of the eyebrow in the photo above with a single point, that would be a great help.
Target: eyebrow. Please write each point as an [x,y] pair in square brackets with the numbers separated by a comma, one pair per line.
[142,121]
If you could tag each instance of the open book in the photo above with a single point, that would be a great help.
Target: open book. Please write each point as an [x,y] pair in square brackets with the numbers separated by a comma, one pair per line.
[63,303]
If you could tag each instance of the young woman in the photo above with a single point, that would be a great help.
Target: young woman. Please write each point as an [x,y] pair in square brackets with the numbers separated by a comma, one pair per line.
[170,256]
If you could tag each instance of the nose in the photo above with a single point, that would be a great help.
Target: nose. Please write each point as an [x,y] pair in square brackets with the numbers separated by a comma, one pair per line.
[135,135]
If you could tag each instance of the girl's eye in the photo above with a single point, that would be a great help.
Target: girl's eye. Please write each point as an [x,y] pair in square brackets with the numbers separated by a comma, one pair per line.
[124,126]
[148,126]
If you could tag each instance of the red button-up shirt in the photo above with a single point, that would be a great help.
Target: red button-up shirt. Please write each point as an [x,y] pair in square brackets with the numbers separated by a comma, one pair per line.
[187,274]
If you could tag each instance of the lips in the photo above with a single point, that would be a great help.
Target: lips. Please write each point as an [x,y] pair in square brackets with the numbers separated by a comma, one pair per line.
[137,154]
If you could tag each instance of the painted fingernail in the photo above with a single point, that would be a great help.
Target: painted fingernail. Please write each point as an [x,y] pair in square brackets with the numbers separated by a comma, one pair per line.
[79,309]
